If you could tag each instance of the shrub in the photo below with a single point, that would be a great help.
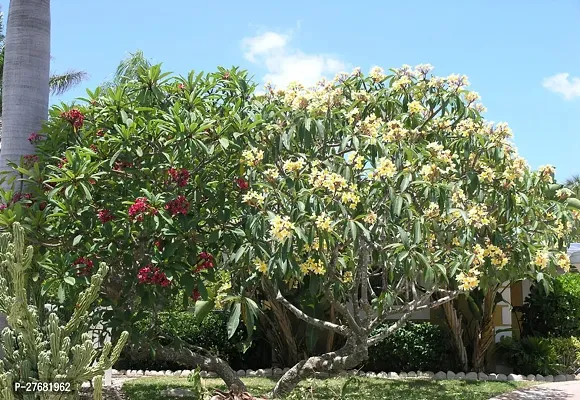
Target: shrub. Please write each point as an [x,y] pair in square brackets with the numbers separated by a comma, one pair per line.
[417,346]
[211,334]
[529,355]
[554,314]
[567,352]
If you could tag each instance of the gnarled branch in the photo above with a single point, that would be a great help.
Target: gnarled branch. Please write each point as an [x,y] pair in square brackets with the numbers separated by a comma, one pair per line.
[340,329]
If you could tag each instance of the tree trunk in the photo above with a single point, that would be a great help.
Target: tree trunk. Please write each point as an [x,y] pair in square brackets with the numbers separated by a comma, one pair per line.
[485,331]
[284,326]
[330,342]
[25,88]
[347,357]
[455,325]
[206,362]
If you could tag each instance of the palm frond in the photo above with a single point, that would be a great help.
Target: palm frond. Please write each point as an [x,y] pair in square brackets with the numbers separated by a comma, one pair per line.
[573,183]
[129,67]
[574,180]
[60,83]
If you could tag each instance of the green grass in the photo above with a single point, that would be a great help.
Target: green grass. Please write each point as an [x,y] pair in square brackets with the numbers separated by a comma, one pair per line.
[329,389]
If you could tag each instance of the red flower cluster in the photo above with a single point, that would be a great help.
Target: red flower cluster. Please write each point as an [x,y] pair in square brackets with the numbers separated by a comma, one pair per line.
[206,262]
[178,206]
[75,117]
[2,206]
[105,216]
[195,295]
[179,176]
[242,184]
[30,159]
[20,196]
[101,132]
[180,86]
[86,269]
[63,161]
[158,244]
[34,138]
[153,276]
[137,211]
[119,165]
[94,148]
[42,205]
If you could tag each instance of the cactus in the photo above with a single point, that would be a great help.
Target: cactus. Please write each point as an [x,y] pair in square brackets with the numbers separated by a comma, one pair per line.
[46,351]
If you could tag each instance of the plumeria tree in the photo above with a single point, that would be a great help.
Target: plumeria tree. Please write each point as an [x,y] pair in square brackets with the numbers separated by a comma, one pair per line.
[144,175]
[389,194]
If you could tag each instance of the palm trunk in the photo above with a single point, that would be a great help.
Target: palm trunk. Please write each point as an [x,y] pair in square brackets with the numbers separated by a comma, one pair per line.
[485,332]
[25,90]
[455,325]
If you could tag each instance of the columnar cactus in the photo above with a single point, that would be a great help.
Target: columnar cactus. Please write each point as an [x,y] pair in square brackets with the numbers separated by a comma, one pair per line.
[46,352]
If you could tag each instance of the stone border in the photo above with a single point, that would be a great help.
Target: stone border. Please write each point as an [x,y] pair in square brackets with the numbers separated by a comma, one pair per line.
[277,372]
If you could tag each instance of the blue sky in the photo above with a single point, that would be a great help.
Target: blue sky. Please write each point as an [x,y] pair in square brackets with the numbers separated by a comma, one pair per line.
[516,53]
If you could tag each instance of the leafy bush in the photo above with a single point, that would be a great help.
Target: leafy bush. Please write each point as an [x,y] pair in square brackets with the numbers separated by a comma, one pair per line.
[554,314]
[418,346]
[529,355]
[567,352]
[211,334]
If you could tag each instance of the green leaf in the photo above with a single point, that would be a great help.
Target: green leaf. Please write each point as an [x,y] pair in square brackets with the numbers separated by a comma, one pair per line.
[405,182]
[250,312]
[139,151]
[61,294]
[234,320]
[404,236]
[77,239]
[417,234]
[573,203]
[353,230]
[239,253]
[397,205]
[224,142]
[114,158]
[202,309]
[86,190]
[70,280]
[429,276]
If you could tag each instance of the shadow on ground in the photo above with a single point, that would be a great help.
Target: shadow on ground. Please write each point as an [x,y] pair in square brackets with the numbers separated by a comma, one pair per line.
[536,393]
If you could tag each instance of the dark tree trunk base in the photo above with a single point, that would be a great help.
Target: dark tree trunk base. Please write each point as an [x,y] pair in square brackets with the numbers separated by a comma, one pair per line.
[346,358]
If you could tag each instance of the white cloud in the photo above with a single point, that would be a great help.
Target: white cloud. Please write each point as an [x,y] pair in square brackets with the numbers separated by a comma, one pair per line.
[562,84]
[269,42]
[285,64]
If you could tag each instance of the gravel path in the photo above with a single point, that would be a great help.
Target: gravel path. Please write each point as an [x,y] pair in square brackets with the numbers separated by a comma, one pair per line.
[548,391]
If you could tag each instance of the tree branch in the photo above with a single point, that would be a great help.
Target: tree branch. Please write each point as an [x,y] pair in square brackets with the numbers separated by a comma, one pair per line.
[340,329]
[407,311]
[331,273]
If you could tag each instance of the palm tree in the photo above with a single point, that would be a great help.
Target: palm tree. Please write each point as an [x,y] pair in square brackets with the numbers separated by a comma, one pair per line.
[59,83]
[128,69]
[25,83]
[573,183]
[26,77]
